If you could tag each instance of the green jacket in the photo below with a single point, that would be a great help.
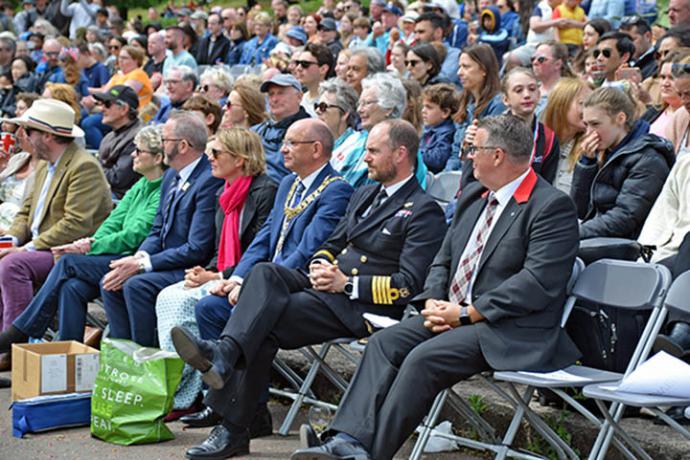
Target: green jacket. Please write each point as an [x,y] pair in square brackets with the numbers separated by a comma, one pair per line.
[130,222]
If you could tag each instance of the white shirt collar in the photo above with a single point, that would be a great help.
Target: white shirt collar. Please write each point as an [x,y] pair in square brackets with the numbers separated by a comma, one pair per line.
[185,172]
[309,180]
[391,189]
[505,193]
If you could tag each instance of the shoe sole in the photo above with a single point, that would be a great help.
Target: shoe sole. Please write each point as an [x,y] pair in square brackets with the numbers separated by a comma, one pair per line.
[664,344]
[188,350]
[313,456]
[233,453]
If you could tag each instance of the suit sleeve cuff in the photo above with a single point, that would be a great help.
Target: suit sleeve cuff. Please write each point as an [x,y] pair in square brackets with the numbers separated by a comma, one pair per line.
[146,260]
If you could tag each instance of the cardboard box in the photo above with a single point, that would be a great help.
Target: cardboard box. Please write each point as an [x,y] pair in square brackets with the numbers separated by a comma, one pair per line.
[52,368]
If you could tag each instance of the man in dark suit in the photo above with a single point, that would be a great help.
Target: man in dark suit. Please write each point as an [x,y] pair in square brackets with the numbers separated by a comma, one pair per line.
[213,49]
[374,261]
[287,240]
[493,299]
[181,237]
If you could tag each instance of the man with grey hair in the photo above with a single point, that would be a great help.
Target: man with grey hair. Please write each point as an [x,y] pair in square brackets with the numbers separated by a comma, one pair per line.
[363,62]
[374,261]
[180,82]
[182,235]
[8,47]
[492,300]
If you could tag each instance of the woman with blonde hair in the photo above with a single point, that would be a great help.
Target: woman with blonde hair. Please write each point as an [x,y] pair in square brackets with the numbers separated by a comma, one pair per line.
[73,74]
[244,204]
[245,107]
[563,114]
[65,93]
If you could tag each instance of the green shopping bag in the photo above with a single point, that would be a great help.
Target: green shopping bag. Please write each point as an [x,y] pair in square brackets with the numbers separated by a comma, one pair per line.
[133,391]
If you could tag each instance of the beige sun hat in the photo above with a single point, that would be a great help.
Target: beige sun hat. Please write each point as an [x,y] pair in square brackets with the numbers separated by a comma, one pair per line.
[51,116]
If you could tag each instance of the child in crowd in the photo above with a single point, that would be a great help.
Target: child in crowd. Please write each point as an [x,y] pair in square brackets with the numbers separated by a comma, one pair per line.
[572,37]
[492,33]
[360,32]
[439,103]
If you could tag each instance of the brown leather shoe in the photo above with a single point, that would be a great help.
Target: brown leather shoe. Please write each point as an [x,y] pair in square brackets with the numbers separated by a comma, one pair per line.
[5,362]
[92,336]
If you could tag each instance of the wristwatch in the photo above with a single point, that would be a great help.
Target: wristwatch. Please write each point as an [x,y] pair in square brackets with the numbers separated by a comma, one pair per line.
[349,287]
[465,319]
[142,266]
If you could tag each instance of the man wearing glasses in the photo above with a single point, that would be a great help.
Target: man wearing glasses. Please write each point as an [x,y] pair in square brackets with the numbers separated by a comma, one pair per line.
[374,261]
[182,235]
[613,50]
[50,70]
[119,105]
[180,83]
[311,67]
[492,299]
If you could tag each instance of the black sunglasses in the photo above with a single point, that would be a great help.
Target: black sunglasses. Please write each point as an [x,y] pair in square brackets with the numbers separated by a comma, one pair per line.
[323,106]
[215,153]
[305,64]
[540,59]
[605,51]
[412,62]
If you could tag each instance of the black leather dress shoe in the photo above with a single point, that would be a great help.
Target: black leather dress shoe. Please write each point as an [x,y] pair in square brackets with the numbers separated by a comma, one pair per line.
[334,449]
[676,343]
[203,355]
[677,413]
[262,425]
[308,437]
[203,419]
[220,444]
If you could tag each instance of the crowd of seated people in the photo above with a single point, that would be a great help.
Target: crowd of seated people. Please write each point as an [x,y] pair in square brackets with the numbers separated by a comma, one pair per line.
[214,179]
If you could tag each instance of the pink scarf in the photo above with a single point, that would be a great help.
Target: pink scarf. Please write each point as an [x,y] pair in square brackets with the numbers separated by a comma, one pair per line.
[231,200]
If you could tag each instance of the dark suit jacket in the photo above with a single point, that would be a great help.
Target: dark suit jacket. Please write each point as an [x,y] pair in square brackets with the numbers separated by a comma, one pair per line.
[257,207]
[522,275]
[220,50]
[306,232]
[389,250]
[189,240]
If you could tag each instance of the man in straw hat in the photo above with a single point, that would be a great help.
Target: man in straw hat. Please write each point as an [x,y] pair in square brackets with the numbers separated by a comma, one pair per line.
[69,201]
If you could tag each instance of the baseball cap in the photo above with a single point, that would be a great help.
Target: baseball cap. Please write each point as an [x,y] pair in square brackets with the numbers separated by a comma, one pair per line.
[327,24]
[392,8]
[281,79]
[120,93]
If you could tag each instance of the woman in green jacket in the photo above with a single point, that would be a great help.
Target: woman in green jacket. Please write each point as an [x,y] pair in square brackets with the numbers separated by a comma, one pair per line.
[74,281]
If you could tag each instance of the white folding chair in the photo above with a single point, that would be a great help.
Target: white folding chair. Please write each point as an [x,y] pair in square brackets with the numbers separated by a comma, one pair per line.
[614,283]
[444,187]
[678,298]
[489,439]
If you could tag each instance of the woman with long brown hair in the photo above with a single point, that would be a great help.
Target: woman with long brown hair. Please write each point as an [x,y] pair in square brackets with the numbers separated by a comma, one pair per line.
[481,95]
[563,114]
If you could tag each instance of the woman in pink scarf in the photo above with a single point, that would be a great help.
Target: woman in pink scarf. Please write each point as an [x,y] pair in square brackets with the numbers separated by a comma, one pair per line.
[244,203]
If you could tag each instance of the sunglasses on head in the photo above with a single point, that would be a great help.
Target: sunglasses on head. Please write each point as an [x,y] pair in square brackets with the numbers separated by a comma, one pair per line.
[680,69]
[605,51]
[631,20]
[321,107]
[305,64]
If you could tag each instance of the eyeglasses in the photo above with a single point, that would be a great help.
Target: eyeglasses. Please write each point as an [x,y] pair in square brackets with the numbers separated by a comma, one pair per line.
[305,64]
[215,153]
[631,20]
[680,69]
[412,62]
[204,88]
[170,81]
[292,144]
[321,107]
[605,51]
[539,59]
[137,151]
[473,149]
[52,53]
[114,47]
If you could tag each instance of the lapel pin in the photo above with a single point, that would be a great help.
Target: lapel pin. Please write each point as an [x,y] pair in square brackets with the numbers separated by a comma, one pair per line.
[185,186]
[409,204]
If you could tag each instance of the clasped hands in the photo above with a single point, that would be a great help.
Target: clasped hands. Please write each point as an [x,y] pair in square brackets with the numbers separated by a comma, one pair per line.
[120,271]
[441,315]
[230,288]
[326,277]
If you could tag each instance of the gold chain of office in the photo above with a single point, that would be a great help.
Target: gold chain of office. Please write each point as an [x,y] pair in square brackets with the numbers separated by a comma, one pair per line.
[291,213]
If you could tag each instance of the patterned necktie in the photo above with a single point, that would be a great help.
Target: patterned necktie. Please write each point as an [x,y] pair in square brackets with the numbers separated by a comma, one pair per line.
[380,197]
[297,197]
[463,275]
[169,200]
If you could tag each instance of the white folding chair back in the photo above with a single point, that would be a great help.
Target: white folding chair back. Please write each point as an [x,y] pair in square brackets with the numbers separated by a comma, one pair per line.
[445,186]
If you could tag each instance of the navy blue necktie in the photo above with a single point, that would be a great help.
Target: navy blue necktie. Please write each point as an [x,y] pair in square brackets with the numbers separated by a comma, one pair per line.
[169,200]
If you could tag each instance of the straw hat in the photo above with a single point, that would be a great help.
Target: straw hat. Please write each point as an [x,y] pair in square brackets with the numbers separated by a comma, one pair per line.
[51,116]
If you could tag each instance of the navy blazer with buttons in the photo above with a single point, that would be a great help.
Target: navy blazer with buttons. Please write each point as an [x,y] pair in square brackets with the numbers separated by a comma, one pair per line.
[306,232]
[189,241]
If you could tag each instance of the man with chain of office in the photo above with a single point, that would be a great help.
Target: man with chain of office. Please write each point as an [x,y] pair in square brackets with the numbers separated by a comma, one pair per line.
[374,261]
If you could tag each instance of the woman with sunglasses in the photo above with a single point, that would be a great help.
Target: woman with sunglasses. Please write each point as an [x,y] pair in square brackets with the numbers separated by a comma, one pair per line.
[481,95]
[563,115]
[337,107]
[621,169]
[216,84]
[115,44]
[244,204]
[245,107]
[424,64]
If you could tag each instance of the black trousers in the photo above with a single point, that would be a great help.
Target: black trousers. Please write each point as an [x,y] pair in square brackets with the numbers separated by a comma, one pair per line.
[275,310]
[403,369]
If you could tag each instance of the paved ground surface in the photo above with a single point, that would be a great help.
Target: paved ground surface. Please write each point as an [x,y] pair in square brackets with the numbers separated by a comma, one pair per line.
[77,444]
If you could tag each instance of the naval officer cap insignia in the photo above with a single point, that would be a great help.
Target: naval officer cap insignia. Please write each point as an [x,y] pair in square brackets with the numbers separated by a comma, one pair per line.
[409,204]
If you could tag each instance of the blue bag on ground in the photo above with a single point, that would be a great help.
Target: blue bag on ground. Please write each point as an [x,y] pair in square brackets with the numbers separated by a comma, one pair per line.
[51,412]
